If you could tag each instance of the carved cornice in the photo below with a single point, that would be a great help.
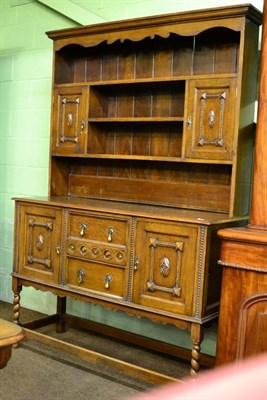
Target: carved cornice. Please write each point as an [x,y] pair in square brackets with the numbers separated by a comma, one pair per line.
[183,23]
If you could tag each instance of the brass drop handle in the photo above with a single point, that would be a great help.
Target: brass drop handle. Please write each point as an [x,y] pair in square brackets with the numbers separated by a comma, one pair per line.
[108,280]
[110,232]
[83,229]
[58,248]
[81,275]
[136,264]
[189,122]
[83,125]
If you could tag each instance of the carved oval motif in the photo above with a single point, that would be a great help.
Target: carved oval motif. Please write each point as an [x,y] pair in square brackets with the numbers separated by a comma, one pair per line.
[40,242]
[211,118]
[165,266]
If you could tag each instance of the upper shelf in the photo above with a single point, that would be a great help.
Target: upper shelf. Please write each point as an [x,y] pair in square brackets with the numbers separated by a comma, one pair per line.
[145,81]
[159,159]
[215,51]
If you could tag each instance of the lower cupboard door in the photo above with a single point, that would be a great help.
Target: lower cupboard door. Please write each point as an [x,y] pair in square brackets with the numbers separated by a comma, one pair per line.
[164,266]
[39,243]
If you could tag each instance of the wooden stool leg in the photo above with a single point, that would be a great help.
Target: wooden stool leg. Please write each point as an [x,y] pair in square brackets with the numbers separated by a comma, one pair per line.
[197,337]
[5,355]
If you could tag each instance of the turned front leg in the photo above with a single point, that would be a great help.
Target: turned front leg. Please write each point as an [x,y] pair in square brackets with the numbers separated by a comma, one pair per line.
[197,337]
[16,306]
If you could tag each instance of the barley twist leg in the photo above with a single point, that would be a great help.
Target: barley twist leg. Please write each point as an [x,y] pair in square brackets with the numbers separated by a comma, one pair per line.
[197,337]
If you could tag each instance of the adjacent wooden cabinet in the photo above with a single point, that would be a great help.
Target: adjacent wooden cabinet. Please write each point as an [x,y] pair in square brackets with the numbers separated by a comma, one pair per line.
[151,154]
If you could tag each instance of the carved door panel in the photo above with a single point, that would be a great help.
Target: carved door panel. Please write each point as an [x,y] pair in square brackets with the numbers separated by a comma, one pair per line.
[69,129]
[252,326]
[209,125]
[39,245]
[164,266]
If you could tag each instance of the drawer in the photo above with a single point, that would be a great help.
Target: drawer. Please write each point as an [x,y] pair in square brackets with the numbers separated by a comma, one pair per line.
[97,251]
[93,277]
[100,228]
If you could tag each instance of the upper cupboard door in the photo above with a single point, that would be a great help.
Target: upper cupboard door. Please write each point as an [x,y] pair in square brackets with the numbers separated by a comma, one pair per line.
[70,111]
[210,119]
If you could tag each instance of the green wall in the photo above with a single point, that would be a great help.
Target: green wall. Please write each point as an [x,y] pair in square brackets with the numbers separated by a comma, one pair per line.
[25,79]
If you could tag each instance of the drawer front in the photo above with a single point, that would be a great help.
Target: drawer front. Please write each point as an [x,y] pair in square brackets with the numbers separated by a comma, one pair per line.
[39,243]
[100,278]
[98,228]
[97,252]
[165,263]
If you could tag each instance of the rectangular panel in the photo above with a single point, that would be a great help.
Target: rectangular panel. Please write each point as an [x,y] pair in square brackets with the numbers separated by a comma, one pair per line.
[189,195]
